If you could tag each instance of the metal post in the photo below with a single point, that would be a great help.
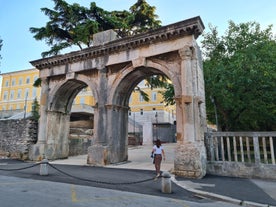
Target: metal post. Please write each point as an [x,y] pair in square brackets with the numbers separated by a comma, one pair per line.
[134,124]
[166,183]
[156,116]
[44,167]
[25,105]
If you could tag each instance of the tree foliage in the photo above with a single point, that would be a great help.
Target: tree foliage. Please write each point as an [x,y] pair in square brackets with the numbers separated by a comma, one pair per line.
[37,83]
[240,77]
[35,110]
[74,25]
[142,17]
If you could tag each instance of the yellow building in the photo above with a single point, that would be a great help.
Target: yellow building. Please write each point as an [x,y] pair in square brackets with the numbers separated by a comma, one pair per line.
[18,94]
[153,110]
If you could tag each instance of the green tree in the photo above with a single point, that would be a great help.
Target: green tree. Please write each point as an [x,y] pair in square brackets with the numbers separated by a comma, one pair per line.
[74,25]
[143,17]
[35,110]
[240,77]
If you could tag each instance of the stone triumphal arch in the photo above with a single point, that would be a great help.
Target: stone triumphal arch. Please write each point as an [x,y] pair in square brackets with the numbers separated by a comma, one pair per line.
[111,69]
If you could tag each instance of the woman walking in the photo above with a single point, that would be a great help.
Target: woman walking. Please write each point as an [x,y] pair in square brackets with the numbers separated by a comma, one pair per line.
[158,152]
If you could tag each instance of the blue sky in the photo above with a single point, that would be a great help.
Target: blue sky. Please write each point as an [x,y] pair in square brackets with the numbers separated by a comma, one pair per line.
[17,16]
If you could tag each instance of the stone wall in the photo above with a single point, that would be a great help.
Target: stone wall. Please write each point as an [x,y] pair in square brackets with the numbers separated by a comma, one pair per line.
[243,170]
[79,146]
[17,137]
[80,137]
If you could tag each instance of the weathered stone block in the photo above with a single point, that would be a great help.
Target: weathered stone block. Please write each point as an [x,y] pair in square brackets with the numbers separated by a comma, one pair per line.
[190,160]
[105,36]
[98,155]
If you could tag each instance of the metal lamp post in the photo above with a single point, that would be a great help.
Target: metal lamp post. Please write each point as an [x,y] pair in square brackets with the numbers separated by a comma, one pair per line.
[25,105]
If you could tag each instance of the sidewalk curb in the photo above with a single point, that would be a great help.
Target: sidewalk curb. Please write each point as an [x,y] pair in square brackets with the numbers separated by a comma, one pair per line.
[219,197]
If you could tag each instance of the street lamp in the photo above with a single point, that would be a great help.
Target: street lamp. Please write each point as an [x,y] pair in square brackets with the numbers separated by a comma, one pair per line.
[134,123]
[156,117]
[25,105]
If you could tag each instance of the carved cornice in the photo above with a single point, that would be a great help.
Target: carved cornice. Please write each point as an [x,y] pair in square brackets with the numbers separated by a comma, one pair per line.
[193,26]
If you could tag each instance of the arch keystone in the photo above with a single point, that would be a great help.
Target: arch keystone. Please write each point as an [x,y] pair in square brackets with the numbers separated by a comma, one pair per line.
[141,61]
[70,76]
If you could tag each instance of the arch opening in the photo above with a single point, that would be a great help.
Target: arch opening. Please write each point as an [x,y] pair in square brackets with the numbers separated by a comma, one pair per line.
[64,96]
[147,121]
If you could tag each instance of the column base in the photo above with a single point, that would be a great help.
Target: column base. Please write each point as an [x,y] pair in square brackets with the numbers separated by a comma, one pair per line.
[98,155]
[50,151]
[37,152]
[190,160]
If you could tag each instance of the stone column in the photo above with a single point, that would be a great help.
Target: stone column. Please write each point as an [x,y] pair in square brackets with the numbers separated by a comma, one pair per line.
[98,153]
[113,148]
[57,144]
[42,132]
[190,157]
[38,149]
[147,133]
[117,132]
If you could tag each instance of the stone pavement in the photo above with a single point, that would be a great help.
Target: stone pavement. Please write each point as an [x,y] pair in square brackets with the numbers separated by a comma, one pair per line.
[26,192]
[248,192]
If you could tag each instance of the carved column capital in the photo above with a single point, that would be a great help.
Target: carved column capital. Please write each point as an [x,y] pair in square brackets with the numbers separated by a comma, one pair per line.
[44,80]
[116,107]
[186,52]
[141,61]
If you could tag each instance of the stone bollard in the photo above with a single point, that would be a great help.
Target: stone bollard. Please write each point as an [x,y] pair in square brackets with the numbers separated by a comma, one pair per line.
[44,167]
[166,183]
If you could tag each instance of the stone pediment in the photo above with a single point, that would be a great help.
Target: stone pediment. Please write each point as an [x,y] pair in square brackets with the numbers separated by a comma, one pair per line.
[193,26]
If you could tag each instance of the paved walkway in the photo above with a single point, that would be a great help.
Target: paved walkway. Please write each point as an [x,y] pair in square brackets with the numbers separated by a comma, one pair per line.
[250,192]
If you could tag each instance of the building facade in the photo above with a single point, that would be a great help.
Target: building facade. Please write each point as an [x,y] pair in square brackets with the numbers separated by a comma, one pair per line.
[17,92]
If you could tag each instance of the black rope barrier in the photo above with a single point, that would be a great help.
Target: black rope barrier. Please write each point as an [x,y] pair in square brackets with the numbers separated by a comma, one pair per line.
[100,182]
[23,168]
[79,178]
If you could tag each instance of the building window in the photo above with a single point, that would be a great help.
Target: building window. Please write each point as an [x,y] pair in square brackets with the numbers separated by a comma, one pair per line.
[5,95]
[12,95]
[20,81]
[26,93]
[19,93]
[141,98]
[27,80]
[17,106]
[7,83]
[13,82]
[34,93]
[154,96]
